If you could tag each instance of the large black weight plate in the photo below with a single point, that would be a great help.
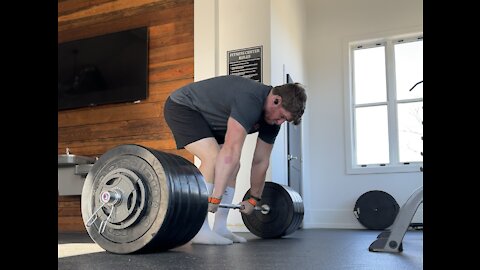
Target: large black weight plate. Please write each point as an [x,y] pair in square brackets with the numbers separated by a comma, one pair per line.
[285,215]
[376,209]
[164,200]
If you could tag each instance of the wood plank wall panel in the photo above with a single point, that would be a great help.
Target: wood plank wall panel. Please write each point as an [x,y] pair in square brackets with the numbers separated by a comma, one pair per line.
[93,131]
[69,219]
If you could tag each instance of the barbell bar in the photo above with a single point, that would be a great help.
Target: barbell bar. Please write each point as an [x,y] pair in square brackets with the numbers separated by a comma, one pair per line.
[264,208]
[136,200]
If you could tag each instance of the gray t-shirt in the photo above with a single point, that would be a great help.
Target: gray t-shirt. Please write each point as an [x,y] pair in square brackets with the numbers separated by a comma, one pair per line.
[222,97]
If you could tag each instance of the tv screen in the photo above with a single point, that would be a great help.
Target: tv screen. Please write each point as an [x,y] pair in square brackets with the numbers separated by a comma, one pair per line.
[106,69]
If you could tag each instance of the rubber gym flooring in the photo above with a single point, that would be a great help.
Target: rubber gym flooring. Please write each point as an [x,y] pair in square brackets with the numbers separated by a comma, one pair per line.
[304,249]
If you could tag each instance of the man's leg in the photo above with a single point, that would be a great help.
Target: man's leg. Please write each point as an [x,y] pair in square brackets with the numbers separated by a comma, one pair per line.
[220,223]
[207,150]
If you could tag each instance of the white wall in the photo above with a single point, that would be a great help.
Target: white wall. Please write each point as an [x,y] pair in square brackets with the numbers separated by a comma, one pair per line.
[305,38]
[288,37]
[329,193]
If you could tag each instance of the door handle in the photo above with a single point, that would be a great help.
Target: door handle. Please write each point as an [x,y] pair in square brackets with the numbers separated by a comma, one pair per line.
[290,157]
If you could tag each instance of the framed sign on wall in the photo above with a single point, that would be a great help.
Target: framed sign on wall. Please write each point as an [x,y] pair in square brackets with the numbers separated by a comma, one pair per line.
[246,63]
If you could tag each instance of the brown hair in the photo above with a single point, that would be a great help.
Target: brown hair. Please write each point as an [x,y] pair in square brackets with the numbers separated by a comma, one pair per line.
[294,99]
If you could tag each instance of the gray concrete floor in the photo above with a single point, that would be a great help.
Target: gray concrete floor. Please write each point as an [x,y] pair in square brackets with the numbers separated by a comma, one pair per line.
[304,249]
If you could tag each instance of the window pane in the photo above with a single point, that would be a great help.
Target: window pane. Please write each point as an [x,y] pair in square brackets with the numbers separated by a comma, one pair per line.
[372,135]
[369,75]
[409,69]
[410,131]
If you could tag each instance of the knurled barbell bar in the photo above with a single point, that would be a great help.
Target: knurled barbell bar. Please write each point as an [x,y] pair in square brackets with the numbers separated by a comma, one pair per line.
[136,199]
[264,207]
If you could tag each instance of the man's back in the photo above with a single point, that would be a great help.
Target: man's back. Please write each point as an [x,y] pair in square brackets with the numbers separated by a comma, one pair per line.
[221,97]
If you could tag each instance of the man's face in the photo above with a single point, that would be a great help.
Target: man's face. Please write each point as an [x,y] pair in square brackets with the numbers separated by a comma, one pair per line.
[276,115]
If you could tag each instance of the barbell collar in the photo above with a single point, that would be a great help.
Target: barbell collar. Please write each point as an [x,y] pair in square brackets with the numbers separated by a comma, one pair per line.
[111,196]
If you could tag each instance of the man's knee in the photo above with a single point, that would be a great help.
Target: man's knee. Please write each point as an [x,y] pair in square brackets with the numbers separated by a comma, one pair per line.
[207,151]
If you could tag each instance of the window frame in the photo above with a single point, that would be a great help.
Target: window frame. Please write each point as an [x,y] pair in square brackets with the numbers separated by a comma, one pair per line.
[388,40]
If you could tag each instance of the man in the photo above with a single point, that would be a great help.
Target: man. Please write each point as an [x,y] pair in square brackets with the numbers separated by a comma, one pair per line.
[211,119]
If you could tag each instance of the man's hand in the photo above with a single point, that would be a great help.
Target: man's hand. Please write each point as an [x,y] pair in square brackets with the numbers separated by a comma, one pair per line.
[213,204]
[248,206]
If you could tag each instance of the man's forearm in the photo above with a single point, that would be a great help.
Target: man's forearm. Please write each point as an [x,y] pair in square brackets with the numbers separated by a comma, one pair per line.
[257,178]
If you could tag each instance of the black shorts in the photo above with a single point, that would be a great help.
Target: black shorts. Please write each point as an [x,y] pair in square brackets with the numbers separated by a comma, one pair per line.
[188,125]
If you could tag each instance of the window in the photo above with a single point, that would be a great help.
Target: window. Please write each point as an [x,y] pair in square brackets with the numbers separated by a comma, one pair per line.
[385,105]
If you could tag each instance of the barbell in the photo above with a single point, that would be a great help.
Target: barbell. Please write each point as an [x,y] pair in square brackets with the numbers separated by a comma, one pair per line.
[136,200]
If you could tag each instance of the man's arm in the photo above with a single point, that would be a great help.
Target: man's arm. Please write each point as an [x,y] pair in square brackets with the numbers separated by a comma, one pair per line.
[228,159]
[260,163]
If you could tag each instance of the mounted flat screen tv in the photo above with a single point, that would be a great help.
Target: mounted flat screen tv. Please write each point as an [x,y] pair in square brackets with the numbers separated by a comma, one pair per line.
[111,68]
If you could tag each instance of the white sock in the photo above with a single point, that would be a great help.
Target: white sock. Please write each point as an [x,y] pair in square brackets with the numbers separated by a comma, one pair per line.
[220,224]
[206,235]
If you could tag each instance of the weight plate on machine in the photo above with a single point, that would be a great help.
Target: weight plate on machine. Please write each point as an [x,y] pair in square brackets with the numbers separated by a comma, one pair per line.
[147,200]
[376,209]
[285,215]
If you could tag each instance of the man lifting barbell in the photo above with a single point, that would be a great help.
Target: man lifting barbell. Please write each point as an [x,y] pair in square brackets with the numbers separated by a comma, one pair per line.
[211,119]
